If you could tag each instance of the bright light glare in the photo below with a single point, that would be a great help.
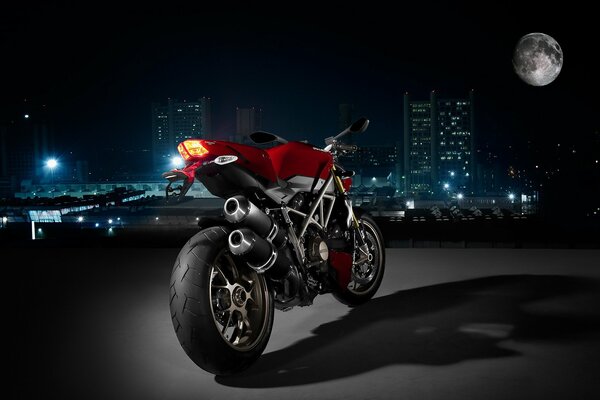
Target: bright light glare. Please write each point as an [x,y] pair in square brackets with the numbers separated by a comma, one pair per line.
[110,221]
[52,163]
[97,224]
[26,116]
[177,162]
[446,185]
[511,196]
[451,173]
[459,196]
[79,219]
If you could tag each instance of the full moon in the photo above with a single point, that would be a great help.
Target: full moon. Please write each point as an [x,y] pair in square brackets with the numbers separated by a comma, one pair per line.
[537,59]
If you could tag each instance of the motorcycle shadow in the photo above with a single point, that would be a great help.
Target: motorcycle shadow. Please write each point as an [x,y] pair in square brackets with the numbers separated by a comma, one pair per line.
[436,325]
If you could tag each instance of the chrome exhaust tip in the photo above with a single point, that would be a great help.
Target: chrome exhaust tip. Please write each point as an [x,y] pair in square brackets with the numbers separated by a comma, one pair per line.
[240,211]
[258,253]
[240,244]
[236,209]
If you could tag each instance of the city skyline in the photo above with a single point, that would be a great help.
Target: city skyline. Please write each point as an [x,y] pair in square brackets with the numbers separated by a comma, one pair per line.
[97,75]
[250,119]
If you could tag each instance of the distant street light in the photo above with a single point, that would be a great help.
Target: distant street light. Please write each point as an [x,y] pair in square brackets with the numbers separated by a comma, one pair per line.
[459,196]
[451,173]
[80,219]
[446,186]
[52,164]
[176,162]
[511,196]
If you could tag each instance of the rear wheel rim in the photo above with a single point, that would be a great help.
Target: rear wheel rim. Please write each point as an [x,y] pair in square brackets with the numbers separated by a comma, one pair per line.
[240,303]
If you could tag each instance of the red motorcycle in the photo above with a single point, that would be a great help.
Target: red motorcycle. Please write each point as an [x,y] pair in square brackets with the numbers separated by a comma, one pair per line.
[288,233]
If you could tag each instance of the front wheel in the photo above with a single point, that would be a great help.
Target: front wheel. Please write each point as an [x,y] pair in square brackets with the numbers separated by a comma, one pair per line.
[221,309]
[365,277]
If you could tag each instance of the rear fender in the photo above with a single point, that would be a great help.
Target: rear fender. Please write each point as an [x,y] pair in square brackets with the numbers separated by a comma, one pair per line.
[185,175]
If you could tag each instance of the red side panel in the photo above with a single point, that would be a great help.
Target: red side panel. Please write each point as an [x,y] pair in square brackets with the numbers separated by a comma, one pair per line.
[296,158]
[341,262]
[347,182]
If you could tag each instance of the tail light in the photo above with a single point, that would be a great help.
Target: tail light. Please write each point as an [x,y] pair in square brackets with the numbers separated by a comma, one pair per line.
[191,149]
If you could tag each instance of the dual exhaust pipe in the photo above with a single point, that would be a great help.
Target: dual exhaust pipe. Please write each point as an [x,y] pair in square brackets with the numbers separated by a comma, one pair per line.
[258,238]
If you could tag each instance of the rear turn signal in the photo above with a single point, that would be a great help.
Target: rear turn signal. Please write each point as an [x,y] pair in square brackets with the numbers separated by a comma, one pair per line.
[191,149]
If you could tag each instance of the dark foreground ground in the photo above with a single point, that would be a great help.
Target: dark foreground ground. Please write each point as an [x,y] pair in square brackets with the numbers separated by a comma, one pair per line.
[446,324]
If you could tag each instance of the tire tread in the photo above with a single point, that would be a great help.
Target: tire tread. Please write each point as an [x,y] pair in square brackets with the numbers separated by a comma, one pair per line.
[190,306]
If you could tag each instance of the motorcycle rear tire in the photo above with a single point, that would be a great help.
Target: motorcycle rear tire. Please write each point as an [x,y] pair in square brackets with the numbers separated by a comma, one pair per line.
[195,294]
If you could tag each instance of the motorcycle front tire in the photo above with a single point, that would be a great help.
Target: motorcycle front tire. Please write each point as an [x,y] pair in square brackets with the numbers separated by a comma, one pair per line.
[356,294]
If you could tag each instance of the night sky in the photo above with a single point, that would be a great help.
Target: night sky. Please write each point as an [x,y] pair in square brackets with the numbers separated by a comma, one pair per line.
[99,68]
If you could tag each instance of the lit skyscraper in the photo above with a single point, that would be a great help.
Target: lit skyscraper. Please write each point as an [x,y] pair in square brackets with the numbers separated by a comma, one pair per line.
[417,146]
[438,145]
[175,122]
[454,134]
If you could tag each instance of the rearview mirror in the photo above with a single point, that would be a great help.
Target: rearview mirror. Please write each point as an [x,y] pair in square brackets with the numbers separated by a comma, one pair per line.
[360,125]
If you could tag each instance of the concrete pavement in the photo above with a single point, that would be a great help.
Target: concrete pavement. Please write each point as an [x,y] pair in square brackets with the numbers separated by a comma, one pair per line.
[446,324]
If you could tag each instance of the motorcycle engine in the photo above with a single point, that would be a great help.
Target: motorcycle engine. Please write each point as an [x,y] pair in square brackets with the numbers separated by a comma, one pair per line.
[297,202]
[317,251]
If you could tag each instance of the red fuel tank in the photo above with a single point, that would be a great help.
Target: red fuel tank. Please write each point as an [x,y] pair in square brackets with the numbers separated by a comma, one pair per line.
[283,161]
[300,159]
